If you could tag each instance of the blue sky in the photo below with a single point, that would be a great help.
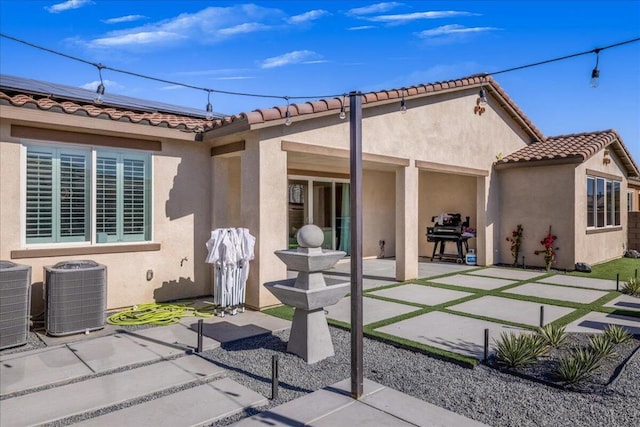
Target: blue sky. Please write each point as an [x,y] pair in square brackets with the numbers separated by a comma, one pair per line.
[300,48]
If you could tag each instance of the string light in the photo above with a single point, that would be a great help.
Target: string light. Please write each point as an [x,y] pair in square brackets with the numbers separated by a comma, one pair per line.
[209,108]
[287,116]
[403,103]
[343,114]
[595,73]
[100,90]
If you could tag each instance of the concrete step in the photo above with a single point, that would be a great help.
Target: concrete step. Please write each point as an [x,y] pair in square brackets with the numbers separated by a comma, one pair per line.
[53,404]
[196,406]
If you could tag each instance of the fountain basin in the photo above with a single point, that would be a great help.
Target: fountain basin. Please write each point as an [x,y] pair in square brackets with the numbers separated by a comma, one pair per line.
[307,299]
[309,262]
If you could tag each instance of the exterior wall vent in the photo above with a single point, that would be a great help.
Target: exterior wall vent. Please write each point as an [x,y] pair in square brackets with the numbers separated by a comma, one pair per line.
[75,297]
[15,303]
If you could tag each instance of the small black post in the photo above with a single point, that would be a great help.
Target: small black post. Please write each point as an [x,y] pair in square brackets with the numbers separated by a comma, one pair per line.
[542,316]
[274,377]
[486,346]
[617,281]
[524,266]
[635,275]
[200,323]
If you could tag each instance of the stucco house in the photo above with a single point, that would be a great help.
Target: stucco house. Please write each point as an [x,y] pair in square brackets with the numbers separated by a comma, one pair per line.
[139,187]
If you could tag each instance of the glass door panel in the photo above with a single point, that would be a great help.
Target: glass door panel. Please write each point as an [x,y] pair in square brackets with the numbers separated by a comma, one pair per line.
[323,211]
[298,209]
[343,218]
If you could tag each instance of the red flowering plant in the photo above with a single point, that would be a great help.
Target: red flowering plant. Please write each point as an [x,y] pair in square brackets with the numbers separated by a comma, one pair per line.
[516,240]
[549,251]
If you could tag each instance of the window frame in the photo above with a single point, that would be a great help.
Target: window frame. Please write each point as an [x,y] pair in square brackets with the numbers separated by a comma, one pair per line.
[90,154]
[605,213]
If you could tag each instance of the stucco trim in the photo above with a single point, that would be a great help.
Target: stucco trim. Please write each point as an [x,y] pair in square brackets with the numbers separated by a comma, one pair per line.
[458,170]
[603,230]
[234,147]
[298,147]
[85,250]
[599,174]
[42,134]
[547,162]
[320,174]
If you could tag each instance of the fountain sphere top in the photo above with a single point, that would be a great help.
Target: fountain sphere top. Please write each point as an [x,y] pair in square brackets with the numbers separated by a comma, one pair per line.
[310,236]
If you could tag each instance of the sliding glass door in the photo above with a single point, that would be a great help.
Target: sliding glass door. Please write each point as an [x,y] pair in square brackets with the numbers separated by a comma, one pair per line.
[323,202]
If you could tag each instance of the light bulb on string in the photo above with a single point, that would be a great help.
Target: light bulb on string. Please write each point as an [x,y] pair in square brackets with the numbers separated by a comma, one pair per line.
[343,114]
[287,115]
[99,97]
[209,108]
[595,73]
[403,103]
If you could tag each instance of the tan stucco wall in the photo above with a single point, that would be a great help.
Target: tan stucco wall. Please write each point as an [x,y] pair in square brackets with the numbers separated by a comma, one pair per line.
[181,222]
[538,197]
[444,193]
[610,244]
[378,212]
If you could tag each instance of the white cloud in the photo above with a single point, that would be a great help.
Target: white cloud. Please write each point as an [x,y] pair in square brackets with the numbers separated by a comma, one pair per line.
[109,84]
[447,30]
[317,61]
[249,27]
[208,25]
[405,17]
[235,78]
[361,27]
[374,8]
[141,38]
[67,5]
[295,57]
[121,19]
[307,16]
[172,87]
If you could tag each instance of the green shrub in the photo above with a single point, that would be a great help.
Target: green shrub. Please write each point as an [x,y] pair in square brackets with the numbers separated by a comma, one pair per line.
[631,287]
[553,335]
[617,334]
[538,344]
[516,350]
[577,365]
[601,345]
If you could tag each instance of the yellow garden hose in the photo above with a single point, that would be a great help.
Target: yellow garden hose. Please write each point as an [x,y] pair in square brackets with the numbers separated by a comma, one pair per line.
[157,314]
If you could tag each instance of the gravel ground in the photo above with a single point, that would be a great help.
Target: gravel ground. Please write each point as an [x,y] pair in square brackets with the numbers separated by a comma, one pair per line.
[482,393]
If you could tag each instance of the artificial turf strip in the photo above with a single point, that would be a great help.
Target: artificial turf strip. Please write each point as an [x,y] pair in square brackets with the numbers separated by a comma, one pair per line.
[625,267]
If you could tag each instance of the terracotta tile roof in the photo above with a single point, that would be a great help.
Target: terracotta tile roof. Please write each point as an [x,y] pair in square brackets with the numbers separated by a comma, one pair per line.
[265,115]
[45,103]
[577,147]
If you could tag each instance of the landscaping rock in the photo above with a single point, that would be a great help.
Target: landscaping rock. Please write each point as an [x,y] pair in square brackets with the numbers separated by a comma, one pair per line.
[632,253]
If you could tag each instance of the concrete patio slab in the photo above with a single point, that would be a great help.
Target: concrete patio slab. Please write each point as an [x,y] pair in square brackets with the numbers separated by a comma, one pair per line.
[457,334]
[597,322]
[562,293]
[431,269]
[56,403]
[625,302]
[421,294]
[524,312]
[476,282]
[196,406]
[508,273]
[46,366]
[169,340]
[580,282]
[379,406]
[373,310]
[367,283]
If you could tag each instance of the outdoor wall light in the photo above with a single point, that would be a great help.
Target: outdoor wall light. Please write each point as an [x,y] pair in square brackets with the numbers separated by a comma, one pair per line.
[482,95]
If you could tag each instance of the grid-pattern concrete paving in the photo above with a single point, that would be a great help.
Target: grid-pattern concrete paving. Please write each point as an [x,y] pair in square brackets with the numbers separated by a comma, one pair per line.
[432,269]
[581,282]
[524,312]
[195,406]
[560,293]
[476,282]
[508,273]
[457,334]
[373,310]
[421,294]
[597,322]
[56,403]
[625,302]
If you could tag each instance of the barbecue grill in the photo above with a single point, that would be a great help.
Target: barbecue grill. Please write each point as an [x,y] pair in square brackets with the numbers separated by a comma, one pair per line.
[449,228]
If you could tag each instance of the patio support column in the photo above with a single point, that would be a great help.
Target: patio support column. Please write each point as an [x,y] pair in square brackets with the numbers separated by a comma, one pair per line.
[483,228]
[407,232]
[264,212]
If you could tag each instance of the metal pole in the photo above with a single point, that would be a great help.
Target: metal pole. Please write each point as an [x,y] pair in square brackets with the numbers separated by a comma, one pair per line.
[486,346]
[355,169]
[617,281]
[200,323]
[274,377]
[542,316]
[524,266]
[635,275]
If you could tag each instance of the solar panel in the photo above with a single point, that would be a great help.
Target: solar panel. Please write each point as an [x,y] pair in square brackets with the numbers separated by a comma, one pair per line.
[72,93]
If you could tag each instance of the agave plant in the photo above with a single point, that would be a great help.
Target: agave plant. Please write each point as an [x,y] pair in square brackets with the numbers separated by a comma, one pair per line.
[617,334]
[539,345]
[631,287]
[515,350]
[577,365]
[552,334]
[601,345]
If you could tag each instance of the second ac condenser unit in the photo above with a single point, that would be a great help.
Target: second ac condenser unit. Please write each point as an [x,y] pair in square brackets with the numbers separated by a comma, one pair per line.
[75,297]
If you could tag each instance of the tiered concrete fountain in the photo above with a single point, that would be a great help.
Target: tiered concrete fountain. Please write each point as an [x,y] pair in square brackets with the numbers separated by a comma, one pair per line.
[309,294]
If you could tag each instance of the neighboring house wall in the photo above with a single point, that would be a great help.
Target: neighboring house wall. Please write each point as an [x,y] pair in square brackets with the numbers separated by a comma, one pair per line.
[538,197]
[180,214]
[599,245]
[634,231]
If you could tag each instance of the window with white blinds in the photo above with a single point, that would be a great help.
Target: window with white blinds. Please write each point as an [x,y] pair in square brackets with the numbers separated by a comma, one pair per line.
[59,196]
